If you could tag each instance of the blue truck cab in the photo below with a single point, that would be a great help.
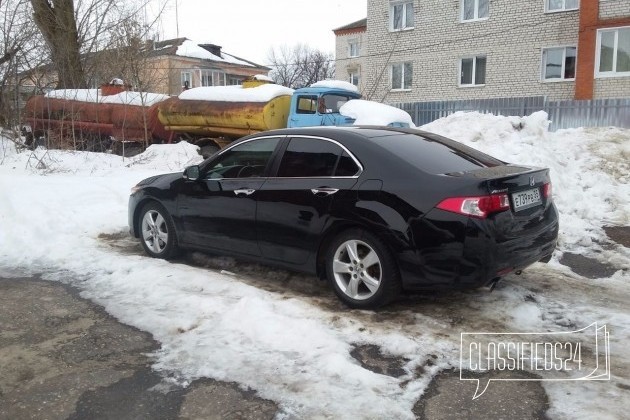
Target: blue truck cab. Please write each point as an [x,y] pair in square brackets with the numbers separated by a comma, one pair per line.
[312,106]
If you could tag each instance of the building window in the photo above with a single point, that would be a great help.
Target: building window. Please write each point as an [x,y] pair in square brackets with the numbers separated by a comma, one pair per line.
[354,78]
[472,71]
[235,81]
[353,48]
[475,10]
[558,63]
[613,52]
[186,80]
[562,5]
[402,76]
[401,15]
[206,78]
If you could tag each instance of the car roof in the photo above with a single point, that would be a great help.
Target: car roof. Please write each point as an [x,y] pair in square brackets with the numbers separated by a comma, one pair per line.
[358,130]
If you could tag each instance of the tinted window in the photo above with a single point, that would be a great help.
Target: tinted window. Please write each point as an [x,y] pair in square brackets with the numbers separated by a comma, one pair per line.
[309,158]
[243,161]
[437,156]
[346,166]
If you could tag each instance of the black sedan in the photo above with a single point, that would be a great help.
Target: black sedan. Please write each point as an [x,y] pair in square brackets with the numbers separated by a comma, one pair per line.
[374,210]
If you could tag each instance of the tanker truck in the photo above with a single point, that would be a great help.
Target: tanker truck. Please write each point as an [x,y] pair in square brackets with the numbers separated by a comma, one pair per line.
[111,117]
[209,117]
[212,117]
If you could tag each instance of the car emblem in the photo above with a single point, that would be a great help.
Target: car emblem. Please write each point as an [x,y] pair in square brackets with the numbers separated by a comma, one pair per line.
[532,181]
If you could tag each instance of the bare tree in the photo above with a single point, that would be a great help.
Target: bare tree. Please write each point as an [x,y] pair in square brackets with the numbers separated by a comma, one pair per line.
[19,47]
[300,65]
[57,23]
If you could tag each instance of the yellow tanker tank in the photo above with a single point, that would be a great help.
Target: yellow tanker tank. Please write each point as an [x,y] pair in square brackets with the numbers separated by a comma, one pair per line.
[227,111]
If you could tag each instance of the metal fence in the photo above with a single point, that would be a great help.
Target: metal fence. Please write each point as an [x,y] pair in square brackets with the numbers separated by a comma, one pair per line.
[563,114]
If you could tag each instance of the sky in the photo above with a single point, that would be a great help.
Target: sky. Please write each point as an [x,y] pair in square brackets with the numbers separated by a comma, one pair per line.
[250,28]
[63,214]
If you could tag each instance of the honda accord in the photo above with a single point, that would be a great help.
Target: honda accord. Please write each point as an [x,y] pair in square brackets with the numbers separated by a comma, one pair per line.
[374,210]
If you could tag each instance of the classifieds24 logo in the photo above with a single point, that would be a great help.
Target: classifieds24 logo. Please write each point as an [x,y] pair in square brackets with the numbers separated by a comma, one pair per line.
[581,355]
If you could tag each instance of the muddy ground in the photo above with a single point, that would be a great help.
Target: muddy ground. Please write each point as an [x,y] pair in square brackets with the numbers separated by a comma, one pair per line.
[64,357]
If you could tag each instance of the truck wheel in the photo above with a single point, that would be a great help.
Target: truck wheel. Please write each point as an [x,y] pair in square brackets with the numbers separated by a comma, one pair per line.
[157,232]
[362,270]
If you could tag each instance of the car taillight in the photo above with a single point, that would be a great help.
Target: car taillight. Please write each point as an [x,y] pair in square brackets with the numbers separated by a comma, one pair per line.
[476,206]
[547,190]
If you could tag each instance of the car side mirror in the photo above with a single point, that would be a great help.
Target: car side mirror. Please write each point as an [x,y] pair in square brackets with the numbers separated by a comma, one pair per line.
[192,173]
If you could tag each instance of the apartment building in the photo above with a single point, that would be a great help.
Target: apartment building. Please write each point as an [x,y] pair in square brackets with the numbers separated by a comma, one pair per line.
[424,50]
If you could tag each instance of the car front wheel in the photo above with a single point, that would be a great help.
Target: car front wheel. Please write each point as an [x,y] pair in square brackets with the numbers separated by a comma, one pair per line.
[157,232]
[362,270]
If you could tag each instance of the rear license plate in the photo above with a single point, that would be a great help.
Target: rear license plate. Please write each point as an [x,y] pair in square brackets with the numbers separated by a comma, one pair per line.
[526,199]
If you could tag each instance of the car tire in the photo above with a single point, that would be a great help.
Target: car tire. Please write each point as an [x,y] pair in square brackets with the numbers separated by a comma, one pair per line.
[362,270]
[157,232]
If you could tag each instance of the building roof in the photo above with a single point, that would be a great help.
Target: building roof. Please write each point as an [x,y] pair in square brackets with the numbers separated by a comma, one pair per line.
[184,47]
[358,26]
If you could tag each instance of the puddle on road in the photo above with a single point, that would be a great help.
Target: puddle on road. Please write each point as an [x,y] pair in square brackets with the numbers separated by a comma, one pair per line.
[587,267]
[619,234]
[373,359]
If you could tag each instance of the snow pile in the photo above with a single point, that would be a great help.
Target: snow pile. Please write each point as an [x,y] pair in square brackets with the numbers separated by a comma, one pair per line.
[267,331]
[262,93]
[589,167]
[335,84]
[374,113]
[95,96]
[157,158]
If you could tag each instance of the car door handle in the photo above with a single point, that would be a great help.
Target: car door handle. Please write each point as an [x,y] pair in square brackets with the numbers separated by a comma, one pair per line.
[324,191]
[244,191]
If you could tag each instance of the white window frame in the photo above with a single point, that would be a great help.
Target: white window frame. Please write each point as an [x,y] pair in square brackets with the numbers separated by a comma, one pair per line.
[474,71]
[353,76]
[614,72]
[562,9]
[564,62]
[402,77]
[476,18]
[216,75]
[406,5]
[183,78]
[207,75]
[353,43]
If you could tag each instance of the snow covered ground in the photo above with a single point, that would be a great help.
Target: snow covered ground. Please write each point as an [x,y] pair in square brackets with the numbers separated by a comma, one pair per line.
[64,214]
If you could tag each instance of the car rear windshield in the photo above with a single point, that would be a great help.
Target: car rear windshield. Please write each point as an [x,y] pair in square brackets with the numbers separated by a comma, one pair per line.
[436,154]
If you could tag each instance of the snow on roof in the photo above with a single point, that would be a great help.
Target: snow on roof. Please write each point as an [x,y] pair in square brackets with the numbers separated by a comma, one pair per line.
[374,113]
[94,96]
[263,93]
[262,77]
[191,49]
[336,84]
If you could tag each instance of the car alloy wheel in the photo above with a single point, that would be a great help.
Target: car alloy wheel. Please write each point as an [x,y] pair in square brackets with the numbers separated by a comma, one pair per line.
[157,231]
[357,269]
[361,269]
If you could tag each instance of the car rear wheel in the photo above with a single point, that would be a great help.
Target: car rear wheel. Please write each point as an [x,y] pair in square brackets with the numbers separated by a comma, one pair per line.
[362,270]
[157,232]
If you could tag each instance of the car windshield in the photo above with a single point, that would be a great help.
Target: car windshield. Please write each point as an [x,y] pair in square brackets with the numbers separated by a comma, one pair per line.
[437,155]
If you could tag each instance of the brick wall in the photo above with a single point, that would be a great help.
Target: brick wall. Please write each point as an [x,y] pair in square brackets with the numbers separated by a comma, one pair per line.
[344,64]
[512,39]
[610,9]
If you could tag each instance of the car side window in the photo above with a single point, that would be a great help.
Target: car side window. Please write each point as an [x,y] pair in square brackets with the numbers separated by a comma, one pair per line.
[243,161]
[306,157]
[346,166]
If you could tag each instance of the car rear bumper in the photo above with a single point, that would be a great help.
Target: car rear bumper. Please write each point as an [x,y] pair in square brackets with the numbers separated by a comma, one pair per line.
[453,252]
